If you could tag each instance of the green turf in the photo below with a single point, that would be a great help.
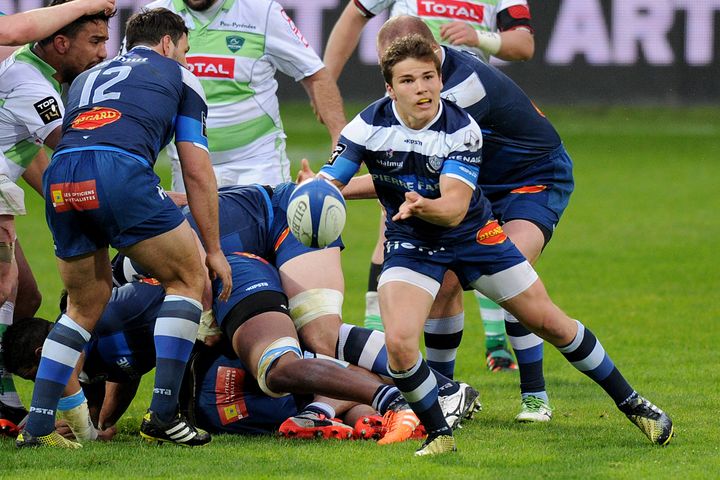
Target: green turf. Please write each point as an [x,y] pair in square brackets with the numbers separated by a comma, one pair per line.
[635,257]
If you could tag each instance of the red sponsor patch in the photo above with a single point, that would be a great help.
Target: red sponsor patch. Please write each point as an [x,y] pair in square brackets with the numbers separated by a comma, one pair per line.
[74,196]
[491,234]
[530,189]
[211,67]
[149,281]
[229,395]
[253,256]
[96,118]
[519,11]
[464,11]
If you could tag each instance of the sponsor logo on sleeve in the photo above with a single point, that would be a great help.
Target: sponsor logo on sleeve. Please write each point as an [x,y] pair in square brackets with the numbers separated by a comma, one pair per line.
[294,29]
[95,118]
[491,234]
[337,151]
[464,11]
[48,110]
[74,196]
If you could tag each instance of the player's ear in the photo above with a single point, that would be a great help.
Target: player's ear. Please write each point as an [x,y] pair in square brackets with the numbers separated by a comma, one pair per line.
[390,91]
[38,353]
[166,44]
[61,43]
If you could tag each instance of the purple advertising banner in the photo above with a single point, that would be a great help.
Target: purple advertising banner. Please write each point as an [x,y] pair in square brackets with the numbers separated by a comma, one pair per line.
[587,51]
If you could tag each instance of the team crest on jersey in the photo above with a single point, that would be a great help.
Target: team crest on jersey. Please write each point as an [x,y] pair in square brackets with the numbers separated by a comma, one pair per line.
[234,42]
[491,234]
[48,110]
[96,118]
[434,163]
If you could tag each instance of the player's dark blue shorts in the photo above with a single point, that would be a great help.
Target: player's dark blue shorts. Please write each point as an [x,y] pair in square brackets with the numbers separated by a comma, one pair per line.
[96,198]
[539,194]
[251,274]
[230,401]
[488,252]
[285,245]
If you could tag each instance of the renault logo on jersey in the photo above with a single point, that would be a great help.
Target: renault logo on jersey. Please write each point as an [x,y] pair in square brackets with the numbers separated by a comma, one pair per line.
[234,42]
[212,67]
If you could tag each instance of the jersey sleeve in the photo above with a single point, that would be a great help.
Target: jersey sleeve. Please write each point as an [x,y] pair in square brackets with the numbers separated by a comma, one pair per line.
[513,14]
[191,121]
[463,162]
[37,107]
[349,152]
[370,8]
[286,47]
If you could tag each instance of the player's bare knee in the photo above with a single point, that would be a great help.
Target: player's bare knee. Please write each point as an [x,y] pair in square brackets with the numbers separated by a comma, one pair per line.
[271,375]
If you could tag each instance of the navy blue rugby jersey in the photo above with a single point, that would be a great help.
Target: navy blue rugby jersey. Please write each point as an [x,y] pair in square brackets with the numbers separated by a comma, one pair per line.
[122,346]
[401,159]
[515,132]
[134,103]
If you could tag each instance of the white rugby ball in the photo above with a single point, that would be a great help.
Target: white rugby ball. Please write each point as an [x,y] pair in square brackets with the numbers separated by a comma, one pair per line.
[316,213]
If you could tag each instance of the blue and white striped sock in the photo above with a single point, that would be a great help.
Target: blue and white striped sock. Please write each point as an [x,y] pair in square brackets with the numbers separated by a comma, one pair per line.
[175,331]
[60,354]
[587,355]
[419,387]
[442,339]
[528,349]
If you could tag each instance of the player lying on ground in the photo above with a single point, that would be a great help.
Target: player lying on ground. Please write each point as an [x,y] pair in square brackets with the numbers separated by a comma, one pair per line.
[122,350]
[424,154]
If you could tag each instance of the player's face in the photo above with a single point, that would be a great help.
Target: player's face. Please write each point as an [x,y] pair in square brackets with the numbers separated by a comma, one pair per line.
[177,52]
[199,5]
[415,88]
[85,50]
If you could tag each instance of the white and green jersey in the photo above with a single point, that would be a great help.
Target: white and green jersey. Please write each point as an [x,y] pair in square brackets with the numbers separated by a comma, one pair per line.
[481,14]
[30,108]
[235,55]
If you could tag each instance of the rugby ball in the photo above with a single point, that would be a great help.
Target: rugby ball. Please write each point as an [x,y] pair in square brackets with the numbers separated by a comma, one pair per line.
[316,213]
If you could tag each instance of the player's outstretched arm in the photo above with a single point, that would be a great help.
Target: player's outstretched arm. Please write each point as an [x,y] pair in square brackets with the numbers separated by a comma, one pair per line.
[512,45]
[327,103]
[448,210]
[202,196]
[343,39]
[37,24]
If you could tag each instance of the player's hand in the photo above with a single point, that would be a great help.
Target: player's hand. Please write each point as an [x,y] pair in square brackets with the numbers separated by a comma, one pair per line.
[459,33]
[63,429]
[95,6]
[218,267]
[305,172]
[107,434]
[413,203]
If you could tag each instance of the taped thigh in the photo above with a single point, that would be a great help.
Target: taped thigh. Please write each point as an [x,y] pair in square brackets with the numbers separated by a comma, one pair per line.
[313,304]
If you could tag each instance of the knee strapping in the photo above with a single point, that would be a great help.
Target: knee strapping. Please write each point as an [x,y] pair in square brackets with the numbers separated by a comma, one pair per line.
[313,304]
[272,353]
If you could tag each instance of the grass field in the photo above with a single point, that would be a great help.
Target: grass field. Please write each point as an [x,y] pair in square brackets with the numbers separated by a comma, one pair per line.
[635,257]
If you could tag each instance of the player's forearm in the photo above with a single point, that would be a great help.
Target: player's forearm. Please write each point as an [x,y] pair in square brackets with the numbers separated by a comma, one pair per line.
[33,174]
[441,211]
[517,45]
[37,24]
[343,40]
[118,397]
[325,97]
[359,188]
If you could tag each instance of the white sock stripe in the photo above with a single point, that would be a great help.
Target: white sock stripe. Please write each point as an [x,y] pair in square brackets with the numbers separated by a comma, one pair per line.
[576,341]
[70,323]
[60,353]
[445,325]
[442,356]
[180,298]
[492,314]
[526,341]
[407,373]
[593,360]
[176,327]
[510,318]
[343,334]
[371,349]
[422,390]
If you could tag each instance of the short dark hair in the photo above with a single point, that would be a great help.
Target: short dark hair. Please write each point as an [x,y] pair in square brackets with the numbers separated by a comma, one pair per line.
[409,46]
[72,28]
[147,27]
[20,341]
[401,26]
